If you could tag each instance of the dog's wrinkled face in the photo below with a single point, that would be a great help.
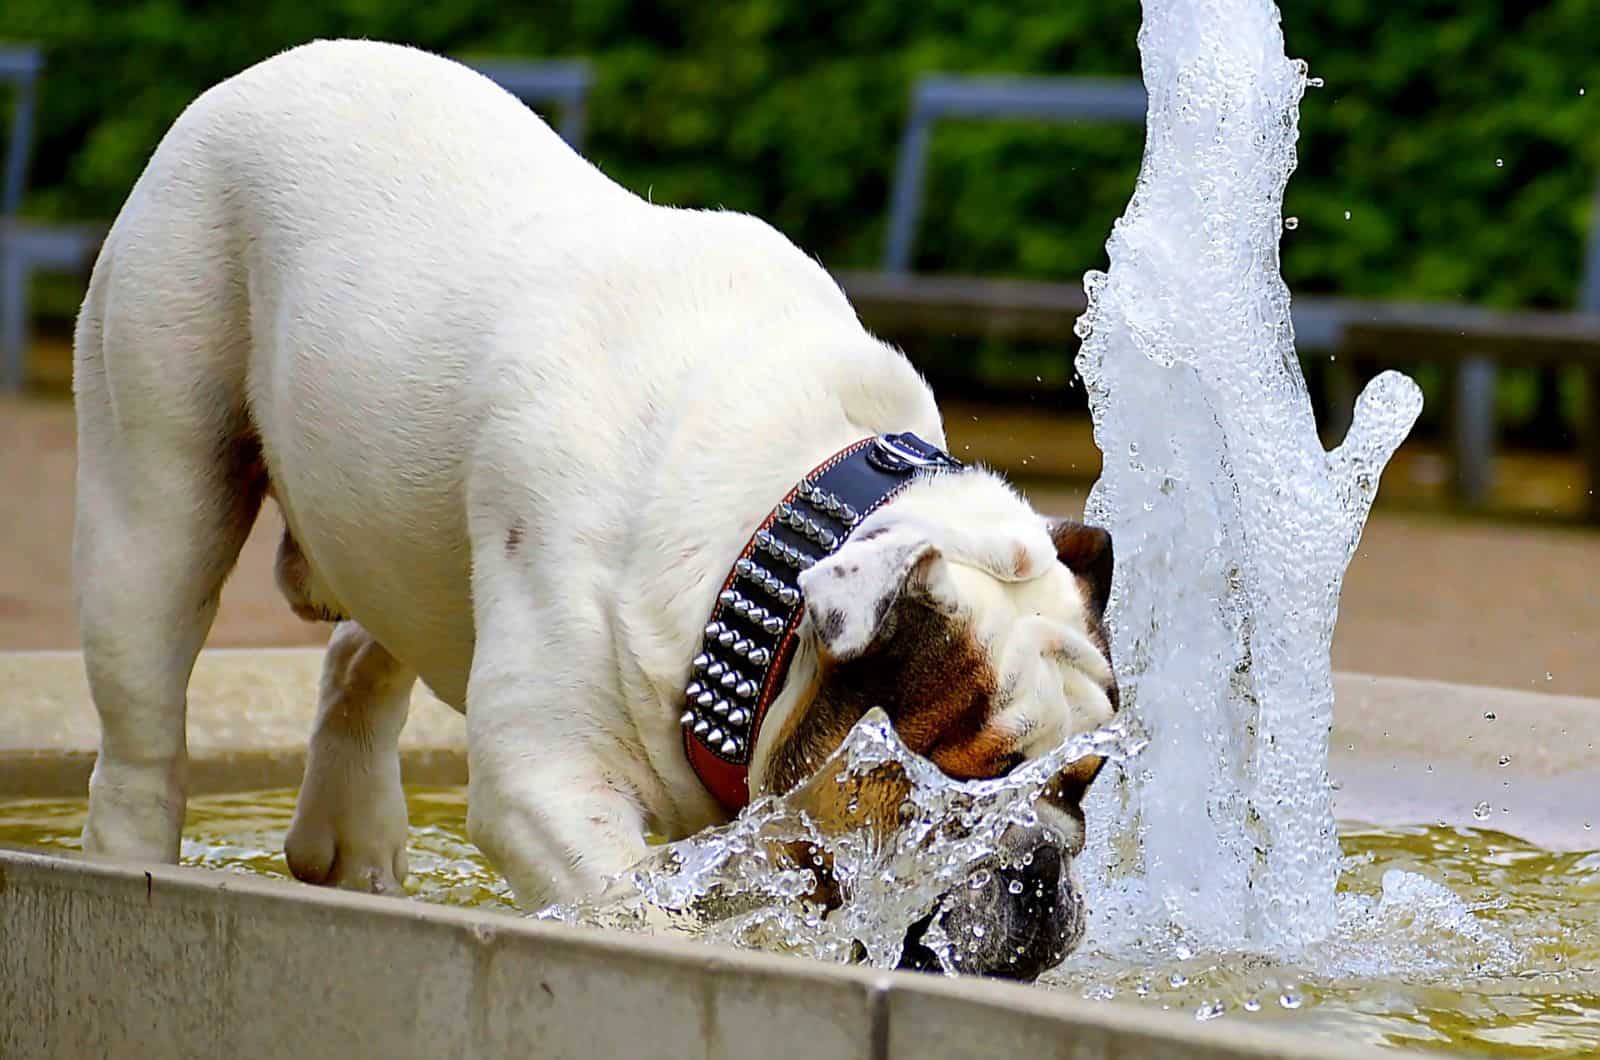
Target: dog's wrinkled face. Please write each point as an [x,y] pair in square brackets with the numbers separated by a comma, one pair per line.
[985,650]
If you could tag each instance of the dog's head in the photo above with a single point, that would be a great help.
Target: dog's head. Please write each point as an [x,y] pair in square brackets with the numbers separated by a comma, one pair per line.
[977,625]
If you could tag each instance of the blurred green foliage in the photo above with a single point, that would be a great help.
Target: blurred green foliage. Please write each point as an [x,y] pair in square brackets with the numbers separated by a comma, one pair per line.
[1450,155]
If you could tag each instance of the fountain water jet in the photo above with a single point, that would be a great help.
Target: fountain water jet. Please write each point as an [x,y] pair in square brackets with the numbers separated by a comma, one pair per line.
[1233,525]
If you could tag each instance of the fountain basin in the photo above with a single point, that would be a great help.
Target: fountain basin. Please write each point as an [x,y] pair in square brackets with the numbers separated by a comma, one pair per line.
[206,962]
[250,712]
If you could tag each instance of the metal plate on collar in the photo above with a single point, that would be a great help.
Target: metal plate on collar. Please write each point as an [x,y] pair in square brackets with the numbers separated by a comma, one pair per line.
[905,453]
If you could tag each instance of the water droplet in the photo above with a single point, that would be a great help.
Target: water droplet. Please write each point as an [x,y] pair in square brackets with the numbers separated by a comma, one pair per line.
[978,931]
[1317,82]
[1500,162]
[1548,676]
[1015,886]
[1178,979]
[1481,811]
[1488,715]
[1289,999]
[1209,1011]
[1142,989]
[979,880]
[1291,223]
[1587,826]
[1252,1005]
[1505,760]
[1347,215]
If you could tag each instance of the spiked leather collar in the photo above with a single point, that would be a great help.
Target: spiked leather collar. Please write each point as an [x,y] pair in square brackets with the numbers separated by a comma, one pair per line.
[754,627]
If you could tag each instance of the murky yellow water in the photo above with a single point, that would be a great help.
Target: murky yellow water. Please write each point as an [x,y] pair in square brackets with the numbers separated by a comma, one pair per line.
[244,833]
[1544,907]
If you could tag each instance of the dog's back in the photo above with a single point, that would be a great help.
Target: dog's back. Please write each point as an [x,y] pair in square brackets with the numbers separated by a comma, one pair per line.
[369,280]
[335,268]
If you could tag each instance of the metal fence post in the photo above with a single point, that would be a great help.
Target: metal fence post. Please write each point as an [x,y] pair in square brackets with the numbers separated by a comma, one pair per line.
[1474,430]
[905,202]
[20,66]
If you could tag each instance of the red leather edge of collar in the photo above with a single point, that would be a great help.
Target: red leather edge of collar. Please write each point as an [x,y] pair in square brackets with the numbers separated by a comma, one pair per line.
[727,781]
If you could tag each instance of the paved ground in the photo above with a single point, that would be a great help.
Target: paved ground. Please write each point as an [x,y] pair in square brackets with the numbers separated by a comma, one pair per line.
[1428,596]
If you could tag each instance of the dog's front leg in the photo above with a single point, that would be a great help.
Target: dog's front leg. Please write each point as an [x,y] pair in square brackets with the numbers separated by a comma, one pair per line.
[541,803]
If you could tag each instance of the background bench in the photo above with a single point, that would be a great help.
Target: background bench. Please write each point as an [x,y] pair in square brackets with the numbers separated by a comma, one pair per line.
[28,247]
[1469,340]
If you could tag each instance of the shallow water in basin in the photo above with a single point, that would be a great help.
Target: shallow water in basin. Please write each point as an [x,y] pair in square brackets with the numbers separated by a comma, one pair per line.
[1522,979]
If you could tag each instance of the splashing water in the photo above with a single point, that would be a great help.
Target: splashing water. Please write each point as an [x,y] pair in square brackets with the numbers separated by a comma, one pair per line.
[1233,525]
[748,883]
[1233,530]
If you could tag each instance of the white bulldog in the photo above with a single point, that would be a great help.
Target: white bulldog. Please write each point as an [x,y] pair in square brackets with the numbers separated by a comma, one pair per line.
[521,425]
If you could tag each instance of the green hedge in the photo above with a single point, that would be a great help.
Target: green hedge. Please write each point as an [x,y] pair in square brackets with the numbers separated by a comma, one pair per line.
[792,109]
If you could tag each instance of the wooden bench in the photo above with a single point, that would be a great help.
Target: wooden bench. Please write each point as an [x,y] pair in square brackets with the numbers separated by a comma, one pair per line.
[1470,340]
[27,247]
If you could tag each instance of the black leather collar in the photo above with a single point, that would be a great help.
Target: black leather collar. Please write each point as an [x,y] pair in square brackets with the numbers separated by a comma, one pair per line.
[746,647]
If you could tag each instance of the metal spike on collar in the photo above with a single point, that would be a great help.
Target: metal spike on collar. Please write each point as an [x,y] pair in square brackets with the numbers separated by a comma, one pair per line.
[829,504]
[808,528]
[730,746]
[770,584]
[701,725]
[753,612]
[687,718]
[785,554]
[737,716]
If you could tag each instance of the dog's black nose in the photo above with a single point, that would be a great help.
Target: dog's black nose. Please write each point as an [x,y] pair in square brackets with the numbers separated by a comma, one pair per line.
[1022,917]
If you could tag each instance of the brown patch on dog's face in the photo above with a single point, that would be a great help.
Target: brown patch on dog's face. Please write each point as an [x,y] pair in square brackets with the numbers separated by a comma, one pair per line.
[928,673]
[894,631]
[924,664]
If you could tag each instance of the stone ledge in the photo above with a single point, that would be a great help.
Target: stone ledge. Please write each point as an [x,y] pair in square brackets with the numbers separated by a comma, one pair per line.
[215,964]
[250,713]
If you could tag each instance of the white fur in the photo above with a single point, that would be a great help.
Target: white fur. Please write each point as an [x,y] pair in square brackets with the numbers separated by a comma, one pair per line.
[448,331]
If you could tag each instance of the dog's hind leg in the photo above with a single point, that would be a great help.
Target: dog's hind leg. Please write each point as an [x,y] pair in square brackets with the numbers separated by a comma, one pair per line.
[349,825]
[169,481]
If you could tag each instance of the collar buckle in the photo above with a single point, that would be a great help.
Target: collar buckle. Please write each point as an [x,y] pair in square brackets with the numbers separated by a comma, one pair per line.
[906,453]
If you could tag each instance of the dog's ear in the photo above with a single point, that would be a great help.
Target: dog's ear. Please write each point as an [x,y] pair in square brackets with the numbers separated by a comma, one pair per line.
[1086,551]
[850,597]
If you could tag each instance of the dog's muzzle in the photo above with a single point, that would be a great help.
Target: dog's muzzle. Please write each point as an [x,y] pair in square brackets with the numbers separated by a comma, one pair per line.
[1019,916]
